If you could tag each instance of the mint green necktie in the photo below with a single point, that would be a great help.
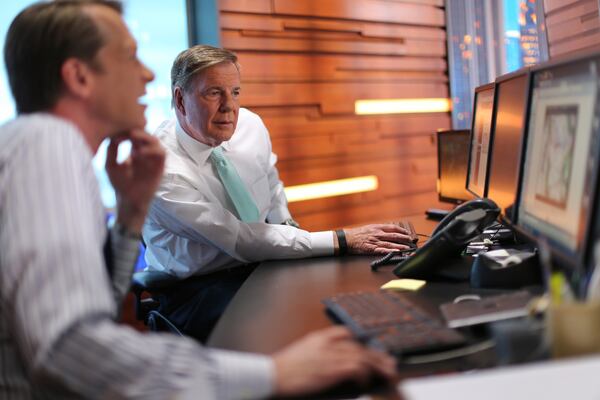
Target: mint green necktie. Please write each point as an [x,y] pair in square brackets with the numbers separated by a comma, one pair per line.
[243,202]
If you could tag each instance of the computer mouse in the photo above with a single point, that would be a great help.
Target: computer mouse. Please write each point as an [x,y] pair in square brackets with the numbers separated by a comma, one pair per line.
[506,269]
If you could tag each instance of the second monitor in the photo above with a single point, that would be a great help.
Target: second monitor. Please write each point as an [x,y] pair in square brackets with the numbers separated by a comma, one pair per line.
[480,139]
[506,136]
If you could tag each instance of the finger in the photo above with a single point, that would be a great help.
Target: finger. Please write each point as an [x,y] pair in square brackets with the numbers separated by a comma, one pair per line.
[112,151]
[346,347]
[367,360]
[397,224]
[385,247]
[335,333]
[382,363]
[148,154]
[392,228]
[140,135]
[351,364]
[393,237]
[148,150]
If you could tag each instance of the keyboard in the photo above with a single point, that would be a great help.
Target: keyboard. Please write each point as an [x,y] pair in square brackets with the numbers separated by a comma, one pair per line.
[406,224]
[391,322]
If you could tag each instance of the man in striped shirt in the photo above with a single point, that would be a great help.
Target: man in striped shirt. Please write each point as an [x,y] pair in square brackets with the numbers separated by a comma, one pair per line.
[76,80]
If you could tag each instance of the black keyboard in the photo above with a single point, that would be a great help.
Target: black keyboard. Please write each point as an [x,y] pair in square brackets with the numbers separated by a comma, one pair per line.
[391,322]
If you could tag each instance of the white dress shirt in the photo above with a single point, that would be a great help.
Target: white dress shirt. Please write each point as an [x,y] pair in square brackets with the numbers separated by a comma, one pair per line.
[58,338]
[192,227]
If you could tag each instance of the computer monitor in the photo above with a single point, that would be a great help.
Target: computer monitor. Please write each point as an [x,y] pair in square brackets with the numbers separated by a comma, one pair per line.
[560,166]
[508,119]
[453,158]
[480,139]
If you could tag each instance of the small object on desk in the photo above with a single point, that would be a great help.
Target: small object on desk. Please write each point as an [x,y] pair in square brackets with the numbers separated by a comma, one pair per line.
[497,231]
[404,284]
[487,309]
[506,269]
[476,248]
[436,214]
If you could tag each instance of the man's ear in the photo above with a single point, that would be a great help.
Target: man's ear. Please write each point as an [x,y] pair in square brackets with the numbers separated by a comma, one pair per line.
[178,100]
[78,78]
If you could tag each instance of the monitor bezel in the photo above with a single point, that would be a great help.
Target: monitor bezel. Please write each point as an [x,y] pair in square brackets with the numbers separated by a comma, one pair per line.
[479,89]
[560,259]
[507,215]
[439,168]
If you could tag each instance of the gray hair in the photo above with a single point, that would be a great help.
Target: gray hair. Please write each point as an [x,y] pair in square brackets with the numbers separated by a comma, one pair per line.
[193,61]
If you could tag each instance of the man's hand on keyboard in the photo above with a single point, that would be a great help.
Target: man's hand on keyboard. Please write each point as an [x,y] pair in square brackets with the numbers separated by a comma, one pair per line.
[324,358]
[377,239]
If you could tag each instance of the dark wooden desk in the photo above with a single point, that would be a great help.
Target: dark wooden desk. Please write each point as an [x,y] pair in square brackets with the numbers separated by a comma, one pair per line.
[281,300]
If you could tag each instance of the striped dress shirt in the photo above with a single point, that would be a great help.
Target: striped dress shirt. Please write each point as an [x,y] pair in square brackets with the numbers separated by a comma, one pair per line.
[58,337]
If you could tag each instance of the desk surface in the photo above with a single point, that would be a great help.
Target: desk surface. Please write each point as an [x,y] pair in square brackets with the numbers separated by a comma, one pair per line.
[281,300]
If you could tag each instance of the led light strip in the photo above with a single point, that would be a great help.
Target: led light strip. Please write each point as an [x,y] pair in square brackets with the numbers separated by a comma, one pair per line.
[336,187]
[401,106]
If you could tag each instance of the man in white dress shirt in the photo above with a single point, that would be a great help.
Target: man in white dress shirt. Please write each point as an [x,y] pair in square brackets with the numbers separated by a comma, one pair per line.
[76,80]
[194,227]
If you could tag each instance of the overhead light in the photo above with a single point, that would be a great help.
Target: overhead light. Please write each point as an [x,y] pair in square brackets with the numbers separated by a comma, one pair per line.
[401,106]
[338,187]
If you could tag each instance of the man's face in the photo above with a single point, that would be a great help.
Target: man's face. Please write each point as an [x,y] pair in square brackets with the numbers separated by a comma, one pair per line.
[208,110]
[122,78]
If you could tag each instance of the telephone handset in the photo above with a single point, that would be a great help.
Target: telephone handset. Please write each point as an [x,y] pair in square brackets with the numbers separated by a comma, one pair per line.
[484,204]
[448,239]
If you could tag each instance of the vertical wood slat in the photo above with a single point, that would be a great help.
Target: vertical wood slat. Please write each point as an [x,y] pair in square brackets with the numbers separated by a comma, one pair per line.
[304,63]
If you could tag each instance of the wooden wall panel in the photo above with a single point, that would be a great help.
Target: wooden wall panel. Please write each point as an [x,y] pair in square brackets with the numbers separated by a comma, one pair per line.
[272,67]
[328,42]
[380,210]
[551,6]
[243,22]
[365,10]
[246,6]
[334,98]
[304,63]
[571,26]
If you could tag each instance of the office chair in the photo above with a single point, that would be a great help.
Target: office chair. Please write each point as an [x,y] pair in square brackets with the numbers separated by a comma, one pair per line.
[144,286]
[150,288]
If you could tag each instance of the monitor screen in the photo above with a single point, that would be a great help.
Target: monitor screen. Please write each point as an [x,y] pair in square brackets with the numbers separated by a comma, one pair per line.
[561,159]
[480,139]
[507,132]
[453,157]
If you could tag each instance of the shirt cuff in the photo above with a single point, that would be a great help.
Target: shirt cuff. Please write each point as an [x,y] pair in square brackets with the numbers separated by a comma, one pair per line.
[321,243]
[125,251]
[243,375]
[125,246]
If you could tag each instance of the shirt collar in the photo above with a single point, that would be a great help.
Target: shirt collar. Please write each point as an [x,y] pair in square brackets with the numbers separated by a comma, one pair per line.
[198,151]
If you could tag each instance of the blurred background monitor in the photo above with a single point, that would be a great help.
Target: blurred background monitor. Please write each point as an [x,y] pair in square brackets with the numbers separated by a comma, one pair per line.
[559,171]
[480,139]
[453,157]
[507,132]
